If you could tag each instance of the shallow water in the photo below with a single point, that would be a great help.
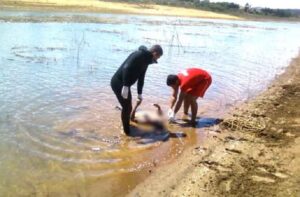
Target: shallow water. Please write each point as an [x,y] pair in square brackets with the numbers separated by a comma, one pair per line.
[59,129]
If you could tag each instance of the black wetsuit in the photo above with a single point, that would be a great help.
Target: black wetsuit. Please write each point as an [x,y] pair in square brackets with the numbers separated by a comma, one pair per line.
[133,69]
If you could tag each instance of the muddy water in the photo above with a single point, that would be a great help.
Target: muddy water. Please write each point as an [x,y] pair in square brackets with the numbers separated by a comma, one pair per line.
[59,129]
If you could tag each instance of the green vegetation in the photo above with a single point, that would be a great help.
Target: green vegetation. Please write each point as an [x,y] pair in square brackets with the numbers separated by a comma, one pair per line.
[224,7]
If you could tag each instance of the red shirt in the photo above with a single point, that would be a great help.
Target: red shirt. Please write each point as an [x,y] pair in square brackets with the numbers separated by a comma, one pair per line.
[191,78]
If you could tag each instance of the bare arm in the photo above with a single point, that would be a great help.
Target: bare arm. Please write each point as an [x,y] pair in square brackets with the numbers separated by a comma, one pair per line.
[173,97]
[179,102]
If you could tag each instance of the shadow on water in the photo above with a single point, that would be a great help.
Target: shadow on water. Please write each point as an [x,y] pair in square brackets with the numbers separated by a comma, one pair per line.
[201,122]
[154,135]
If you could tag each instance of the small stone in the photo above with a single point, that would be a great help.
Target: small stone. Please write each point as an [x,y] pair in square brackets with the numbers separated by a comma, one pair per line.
[279,130]
[262,169]
[273,128]
[290,134]
[262,179]
[96,149]
[280,175]
[228,186]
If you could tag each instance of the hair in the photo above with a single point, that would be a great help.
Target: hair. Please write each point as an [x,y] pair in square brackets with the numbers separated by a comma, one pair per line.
[172,79]
[156,48]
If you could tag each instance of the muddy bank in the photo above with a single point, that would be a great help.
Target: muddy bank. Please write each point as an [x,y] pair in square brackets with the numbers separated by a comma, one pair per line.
[255,151]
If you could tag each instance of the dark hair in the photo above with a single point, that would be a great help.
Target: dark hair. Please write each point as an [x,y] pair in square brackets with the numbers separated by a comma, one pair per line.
[156,48]
[172,79]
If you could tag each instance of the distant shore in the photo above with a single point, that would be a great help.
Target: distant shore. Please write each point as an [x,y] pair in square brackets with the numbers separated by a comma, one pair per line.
[109,7]
[98,6]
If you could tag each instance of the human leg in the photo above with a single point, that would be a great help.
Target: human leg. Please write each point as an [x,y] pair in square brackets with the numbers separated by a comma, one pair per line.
[126,104]
[194,109]
[126,111]
[186,105]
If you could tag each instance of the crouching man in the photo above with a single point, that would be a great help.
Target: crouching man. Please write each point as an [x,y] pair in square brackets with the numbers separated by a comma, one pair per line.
[193,83]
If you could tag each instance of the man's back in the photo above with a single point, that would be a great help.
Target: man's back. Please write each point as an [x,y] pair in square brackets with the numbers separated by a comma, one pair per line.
[134,66]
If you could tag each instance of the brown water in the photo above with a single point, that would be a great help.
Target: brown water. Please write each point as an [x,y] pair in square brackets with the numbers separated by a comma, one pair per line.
[59,129]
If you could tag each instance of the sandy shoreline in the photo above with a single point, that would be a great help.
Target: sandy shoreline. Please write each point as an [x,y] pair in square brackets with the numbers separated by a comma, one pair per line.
[255,152]
[109,7]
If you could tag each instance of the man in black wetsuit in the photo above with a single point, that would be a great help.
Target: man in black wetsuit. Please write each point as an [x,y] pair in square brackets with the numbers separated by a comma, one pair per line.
[133,69]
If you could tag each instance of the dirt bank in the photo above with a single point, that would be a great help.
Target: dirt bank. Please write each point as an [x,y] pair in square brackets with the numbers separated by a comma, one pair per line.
[255,151]
[108,7]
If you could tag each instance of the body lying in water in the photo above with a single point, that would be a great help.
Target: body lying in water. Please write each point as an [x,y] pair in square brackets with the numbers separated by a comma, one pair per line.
[154,118]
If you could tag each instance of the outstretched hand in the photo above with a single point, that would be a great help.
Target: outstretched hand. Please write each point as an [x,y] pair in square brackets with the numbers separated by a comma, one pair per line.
[171,115]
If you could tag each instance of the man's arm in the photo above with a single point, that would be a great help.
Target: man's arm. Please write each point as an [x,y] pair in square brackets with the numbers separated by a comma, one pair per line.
[173,97]
[179,102]
[140,83]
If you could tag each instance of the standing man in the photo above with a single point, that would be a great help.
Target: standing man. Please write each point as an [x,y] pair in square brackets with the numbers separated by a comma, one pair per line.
[133,69]
[193,83]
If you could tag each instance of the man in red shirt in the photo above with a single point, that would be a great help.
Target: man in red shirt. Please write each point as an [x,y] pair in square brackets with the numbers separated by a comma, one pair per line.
[193,83]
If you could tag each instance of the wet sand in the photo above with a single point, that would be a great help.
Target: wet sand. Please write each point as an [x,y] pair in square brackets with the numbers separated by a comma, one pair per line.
[109,7]
[255,151]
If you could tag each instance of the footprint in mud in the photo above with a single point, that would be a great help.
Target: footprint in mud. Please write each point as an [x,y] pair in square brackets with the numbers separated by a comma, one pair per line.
[199,150]
[225,183]
[271,171]
[213,165]
[231,138]
[233,150]
[268,174]
[209,163]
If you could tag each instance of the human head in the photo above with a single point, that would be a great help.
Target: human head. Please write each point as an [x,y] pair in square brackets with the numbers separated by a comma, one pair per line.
[172,81]
[156,51]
